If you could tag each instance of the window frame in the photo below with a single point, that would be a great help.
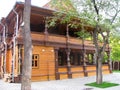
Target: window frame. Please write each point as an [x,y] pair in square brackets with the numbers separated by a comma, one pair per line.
[35,60]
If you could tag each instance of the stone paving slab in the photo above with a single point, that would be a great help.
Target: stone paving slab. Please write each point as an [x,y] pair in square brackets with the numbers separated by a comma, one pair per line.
[66,84]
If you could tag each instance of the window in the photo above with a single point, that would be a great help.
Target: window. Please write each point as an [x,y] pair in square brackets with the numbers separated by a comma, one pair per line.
[35,58]
[72,58]
[62,58]
[79,59]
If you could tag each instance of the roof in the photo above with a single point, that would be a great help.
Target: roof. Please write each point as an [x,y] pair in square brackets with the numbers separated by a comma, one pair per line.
[34,10]
[36,13]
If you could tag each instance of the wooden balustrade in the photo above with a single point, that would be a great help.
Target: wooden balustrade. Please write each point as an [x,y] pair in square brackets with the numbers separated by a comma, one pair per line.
[36,36]
[59,39]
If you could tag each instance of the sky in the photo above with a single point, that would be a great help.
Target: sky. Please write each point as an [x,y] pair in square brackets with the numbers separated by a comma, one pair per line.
[7,5]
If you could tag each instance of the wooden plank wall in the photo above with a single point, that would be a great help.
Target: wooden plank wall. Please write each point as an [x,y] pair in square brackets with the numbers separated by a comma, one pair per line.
[8,61]
[46,68]
[16,65]
[77,71]
[91,70]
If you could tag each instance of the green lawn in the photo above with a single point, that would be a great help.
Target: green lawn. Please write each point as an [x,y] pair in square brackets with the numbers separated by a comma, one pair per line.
[116,71]
[103,85]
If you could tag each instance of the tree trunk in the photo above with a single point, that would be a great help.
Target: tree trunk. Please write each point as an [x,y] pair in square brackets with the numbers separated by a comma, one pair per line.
[99,56]
[27,63]
[99,69]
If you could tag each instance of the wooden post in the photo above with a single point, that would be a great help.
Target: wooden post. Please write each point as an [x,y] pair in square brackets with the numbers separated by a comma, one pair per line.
[68,63]
[84,60]
[57,77]
[68,53]
[13,61]
[84,64]
[19,59]
[46,31]
[109,60]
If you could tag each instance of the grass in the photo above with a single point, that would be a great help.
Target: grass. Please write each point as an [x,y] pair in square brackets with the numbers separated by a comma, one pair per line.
[103,85]
[116,71]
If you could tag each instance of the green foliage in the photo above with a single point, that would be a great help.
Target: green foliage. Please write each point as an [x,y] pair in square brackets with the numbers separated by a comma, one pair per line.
[105,58]
[115,44]
[69,15]
[63,5]
[83,34]
[118,71]
[51,22]
[81,13]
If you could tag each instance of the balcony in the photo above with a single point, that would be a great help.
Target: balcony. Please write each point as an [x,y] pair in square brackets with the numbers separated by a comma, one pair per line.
[59,39]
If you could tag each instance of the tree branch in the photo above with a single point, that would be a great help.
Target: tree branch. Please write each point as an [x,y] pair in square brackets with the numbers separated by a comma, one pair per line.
[95,7]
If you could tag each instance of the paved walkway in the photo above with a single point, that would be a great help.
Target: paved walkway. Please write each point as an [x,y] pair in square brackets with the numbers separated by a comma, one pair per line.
[67,84]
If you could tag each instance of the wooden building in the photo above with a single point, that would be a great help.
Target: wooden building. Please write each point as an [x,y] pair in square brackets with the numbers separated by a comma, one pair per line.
[57,52]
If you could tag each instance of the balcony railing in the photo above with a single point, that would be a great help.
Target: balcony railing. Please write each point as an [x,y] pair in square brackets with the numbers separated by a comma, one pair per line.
[59,39]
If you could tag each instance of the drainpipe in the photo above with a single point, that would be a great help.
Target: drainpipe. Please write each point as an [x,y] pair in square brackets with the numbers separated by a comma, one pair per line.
[5,44]
[16,31]
[14,44]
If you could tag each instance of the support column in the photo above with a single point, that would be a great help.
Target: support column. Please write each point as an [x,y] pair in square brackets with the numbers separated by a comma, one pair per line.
[84,64]
[13,59]
[68,63]
[109,60]
[57,76]
[20,59]
[46,31]
[84,60]
[12,66]
[68,53]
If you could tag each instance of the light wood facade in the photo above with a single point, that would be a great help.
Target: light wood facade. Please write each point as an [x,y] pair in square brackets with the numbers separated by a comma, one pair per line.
[56,55]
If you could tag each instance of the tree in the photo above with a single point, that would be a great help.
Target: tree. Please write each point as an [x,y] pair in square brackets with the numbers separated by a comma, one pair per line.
[98,15]
[108,25]
[27,63]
